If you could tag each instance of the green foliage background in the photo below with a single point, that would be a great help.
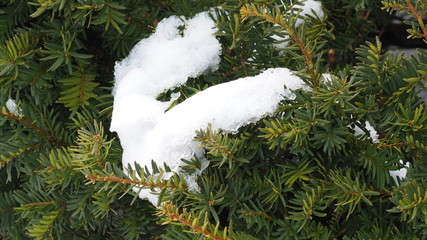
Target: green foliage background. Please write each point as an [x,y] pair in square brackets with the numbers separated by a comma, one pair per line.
[300,174]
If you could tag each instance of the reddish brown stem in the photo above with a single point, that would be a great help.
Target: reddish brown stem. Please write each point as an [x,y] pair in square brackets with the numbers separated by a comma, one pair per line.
[94,178]
[13,155]
[418,16]
[176,218]
[51,139]
[307,56]
[39,204]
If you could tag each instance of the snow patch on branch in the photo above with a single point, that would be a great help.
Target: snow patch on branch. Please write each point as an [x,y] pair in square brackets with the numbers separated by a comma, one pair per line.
[167,59]
[373,134]
[400,173]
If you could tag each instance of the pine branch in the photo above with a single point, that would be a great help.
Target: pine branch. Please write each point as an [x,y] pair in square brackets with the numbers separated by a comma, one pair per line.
[93,146]
[147,184]
[42,226]
[311,201]
[29,124]
[171,213]
[410,199]
[278,18]
[349,191]
[38,204]
[408,7]
[15,53]
[79,90]
[219,146]
[7,159]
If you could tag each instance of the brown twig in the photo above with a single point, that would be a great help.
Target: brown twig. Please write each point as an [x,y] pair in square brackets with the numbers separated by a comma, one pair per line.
[396,144]
[38,204]
[307,56]
[417,15]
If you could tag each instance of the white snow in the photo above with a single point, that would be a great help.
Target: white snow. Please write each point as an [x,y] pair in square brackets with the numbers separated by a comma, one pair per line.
[167,59]
[226,106]
[164,60]
[400,173]
[327,77]
[12,107]
[306,9]
[373,135]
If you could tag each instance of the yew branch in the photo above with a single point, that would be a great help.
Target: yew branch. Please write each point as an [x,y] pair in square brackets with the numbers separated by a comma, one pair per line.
[14,155]
[168,210]
[95,178]
[246,11]
[26,122]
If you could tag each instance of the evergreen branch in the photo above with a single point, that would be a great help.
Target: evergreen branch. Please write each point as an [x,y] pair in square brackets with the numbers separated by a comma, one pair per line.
[413,82]
[216,146]
[15,53]
[220,146]
[387,145]
[79,89]
[410,199]
[26,122]
[311,201]
[378,162]
[418,15]
[140,25]
[383,192]
[307,54]
[171,212]
[252,10]
[38,204]
[37,76]
[93,146]
[95,178]
[43,225]
[6,209]
[9,158]
[349,191]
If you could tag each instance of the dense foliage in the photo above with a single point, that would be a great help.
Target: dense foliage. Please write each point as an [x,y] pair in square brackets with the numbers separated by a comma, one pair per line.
[303,173]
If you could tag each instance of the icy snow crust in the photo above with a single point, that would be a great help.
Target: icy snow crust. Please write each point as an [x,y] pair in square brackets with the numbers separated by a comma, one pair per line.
[166,60]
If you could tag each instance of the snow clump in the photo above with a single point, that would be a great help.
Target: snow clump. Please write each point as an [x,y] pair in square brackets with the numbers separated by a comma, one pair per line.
[400,173]
[167,59]
[373,134]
